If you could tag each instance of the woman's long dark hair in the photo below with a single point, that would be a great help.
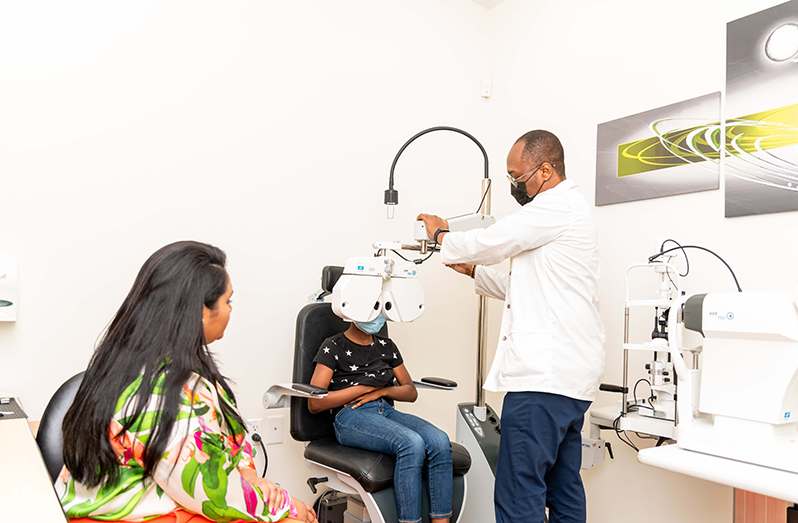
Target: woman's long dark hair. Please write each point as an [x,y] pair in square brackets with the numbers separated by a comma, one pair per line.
[160,320]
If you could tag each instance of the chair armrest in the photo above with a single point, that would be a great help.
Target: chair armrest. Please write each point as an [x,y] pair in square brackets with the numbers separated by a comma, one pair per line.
[277,395]
[435,383]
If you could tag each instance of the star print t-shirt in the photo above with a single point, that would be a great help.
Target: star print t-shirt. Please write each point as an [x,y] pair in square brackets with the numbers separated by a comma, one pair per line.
[354,364]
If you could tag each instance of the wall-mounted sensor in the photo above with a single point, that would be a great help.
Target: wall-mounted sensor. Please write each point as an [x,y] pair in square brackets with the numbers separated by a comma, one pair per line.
[782,44]
[487,88]
[8,290]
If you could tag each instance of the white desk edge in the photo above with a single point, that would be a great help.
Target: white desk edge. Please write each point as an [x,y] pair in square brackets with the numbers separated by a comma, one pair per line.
[775,483]
[26,490]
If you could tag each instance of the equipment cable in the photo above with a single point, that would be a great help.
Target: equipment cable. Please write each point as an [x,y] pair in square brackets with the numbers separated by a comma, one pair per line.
[651,393]
[622,433]
[417,261]
[682,247]
[256,437]
[667,272]
[484,195]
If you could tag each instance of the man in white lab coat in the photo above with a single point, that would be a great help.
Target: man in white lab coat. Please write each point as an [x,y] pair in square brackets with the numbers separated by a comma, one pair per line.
[550,355]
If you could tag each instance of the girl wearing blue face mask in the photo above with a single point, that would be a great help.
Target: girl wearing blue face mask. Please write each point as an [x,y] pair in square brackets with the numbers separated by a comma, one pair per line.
[358,367]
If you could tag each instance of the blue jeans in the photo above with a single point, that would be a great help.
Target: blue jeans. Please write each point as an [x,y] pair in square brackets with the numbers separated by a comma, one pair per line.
[540,455]
[379,427]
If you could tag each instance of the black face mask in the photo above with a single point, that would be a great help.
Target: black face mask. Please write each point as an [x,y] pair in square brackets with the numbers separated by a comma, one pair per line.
[520,195]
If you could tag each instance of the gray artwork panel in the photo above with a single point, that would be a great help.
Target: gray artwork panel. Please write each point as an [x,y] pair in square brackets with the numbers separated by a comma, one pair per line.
[766,182]
[681,179]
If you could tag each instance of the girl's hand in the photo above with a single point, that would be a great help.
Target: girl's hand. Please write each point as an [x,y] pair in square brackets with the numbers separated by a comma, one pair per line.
[365,398]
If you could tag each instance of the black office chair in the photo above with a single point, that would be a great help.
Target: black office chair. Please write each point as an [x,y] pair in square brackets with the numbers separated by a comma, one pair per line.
[348,469]
[50,438]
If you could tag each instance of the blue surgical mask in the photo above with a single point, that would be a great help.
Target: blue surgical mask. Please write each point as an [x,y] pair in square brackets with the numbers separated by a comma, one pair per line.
[371,327]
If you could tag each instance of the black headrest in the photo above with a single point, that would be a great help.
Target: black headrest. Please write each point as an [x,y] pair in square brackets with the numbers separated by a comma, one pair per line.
[315,323]
[50,437]
[330,275]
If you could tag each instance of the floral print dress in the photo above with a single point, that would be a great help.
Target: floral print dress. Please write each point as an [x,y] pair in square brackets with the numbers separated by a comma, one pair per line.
[198,473]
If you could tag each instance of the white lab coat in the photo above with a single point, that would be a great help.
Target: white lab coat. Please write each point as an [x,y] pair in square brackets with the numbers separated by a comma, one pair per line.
[551,338]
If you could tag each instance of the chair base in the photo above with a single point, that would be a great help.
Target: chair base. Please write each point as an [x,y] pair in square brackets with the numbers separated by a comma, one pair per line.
[381,505]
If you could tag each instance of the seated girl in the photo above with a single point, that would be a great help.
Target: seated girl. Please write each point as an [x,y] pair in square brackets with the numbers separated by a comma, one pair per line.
[154,433]
[358,368]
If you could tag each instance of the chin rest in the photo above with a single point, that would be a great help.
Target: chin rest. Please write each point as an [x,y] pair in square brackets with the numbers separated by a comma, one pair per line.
[373,470]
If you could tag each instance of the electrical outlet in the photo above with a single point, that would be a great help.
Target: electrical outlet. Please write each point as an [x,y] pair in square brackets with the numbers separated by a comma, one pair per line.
[254,425]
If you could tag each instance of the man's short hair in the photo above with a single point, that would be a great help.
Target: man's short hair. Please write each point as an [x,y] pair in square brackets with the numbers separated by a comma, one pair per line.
[542,146]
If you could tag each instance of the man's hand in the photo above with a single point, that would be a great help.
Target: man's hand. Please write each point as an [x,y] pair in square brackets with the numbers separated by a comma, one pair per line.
[365,398]
[432,223]
[462,268]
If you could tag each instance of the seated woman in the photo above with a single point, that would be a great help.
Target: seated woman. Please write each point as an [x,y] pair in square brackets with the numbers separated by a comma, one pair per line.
[154,429]
[358,368]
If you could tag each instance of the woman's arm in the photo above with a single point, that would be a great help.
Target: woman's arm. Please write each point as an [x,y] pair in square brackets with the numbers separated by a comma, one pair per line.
[334,399]
[405,391]
[201,472]
[270,491]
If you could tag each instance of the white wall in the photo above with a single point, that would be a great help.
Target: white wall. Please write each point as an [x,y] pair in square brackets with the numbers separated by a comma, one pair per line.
[268,128]
[568,66]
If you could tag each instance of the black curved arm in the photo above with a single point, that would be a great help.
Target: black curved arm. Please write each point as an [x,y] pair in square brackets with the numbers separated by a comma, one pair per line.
[391,195]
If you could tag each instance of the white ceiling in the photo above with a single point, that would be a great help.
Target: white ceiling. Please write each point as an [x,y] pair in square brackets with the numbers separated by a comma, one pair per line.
[488,3]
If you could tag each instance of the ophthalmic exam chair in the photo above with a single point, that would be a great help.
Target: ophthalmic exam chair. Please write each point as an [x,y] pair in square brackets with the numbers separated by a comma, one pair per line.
[347,469]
